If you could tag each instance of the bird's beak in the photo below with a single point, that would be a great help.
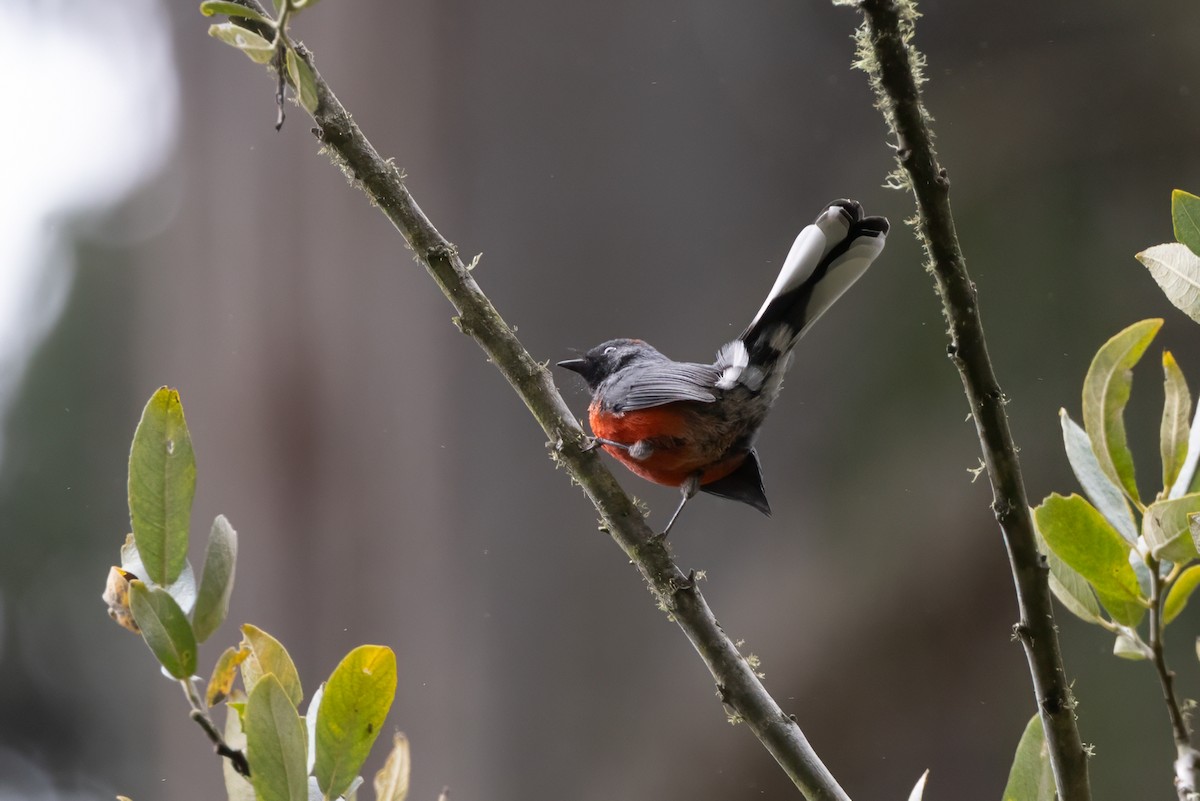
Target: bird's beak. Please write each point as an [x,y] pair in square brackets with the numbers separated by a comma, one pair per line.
[574,365]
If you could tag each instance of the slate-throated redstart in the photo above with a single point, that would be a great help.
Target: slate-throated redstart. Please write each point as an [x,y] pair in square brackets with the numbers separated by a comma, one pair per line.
[693,426]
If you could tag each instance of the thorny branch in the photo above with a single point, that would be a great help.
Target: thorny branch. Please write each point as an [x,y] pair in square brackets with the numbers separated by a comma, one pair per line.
[894,66]
[741,688]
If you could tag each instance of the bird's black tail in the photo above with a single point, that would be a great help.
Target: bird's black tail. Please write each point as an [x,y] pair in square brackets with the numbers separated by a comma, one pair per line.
[826,258]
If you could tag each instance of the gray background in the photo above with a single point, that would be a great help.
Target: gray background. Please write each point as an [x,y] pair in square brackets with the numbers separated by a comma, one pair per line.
[626,169]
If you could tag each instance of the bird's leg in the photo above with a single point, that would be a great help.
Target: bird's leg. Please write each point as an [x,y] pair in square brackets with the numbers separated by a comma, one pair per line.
[596,442]
[639,450]
[688,490]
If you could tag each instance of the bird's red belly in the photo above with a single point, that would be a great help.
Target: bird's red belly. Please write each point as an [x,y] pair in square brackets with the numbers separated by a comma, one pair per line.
[677,453]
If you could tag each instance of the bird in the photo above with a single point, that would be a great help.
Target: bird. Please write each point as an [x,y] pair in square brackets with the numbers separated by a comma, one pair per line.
[694,426]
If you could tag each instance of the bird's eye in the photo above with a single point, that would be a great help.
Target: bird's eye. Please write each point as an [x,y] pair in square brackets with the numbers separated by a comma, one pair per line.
[610,350]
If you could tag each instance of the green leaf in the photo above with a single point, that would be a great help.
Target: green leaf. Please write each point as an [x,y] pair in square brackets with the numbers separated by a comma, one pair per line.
[220,558]
[310,724]
[357,698]
[1167,530]
[1187,472]
[131,559]
[918,790]
[275,743]
[162,481]
[1126,647]
[238,787]
[1071,589]
[1185,214]
[212,7]
[165,628]
[1104,494]
[300,5]
[182,589]
[1142,571]
[351,793]
[1077,597]
[257,48]
[1031,778]
[1180,592]
[220,684]
[1083,539]
[304,81]
[268,656]
[391,782]
[1174,431]
[1105,393]
[1176,268]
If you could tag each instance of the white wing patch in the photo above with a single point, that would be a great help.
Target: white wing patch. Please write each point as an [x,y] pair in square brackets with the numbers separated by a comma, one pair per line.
[731,361]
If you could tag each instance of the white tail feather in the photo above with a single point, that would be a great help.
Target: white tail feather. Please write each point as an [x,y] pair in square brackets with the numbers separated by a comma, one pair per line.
[811,246]
[847,269]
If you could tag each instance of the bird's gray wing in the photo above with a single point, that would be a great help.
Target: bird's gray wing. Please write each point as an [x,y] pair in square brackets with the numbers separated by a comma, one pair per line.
[660,383]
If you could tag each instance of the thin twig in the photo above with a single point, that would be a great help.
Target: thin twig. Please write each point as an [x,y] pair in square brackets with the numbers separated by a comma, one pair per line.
[894,66]
[739,687]
[280,84]
[200,715]
[1186,778]
[1166,677]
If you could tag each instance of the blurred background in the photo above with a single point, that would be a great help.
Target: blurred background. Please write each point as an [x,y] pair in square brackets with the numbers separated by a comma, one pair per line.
[626,169]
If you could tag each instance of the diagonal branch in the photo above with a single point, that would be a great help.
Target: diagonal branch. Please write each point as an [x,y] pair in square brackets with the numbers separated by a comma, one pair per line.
[894,66]
[738,685]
